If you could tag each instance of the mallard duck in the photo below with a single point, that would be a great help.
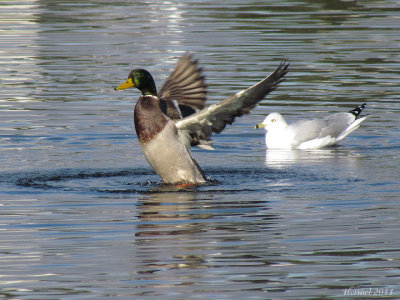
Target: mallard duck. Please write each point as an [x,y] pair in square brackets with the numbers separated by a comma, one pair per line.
[169,122]
[310,134]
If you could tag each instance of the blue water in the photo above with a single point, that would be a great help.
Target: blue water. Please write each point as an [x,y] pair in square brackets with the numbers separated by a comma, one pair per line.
[83,216]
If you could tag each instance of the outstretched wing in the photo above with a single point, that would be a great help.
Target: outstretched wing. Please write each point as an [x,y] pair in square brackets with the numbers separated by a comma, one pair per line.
[185,89]
[197,128]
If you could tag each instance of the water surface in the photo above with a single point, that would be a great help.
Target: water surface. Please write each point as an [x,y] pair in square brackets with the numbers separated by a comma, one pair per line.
[84,216]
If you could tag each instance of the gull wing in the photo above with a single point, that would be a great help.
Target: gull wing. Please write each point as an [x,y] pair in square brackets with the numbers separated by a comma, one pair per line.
[336,126]
[197,128]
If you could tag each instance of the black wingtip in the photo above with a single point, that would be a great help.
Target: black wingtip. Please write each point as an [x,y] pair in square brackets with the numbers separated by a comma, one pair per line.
[357,111]
[279,74]
[283,67]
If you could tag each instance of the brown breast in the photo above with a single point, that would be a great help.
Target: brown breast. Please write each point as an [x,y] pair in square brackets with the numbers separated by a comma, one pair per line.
[149,119]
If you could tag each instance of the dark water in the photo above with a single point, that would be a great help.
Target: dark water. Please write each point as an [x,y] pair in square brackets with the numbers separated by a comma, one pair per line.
[82,214]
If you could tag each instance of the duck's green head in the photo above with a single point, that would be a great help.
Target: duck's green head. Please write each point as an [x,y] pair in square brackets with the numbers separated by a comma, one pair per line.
[140,79]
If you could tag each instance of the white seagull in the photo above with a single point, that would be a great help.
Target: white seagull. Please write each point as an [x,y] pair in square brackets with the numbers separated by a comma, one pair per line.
[310,134]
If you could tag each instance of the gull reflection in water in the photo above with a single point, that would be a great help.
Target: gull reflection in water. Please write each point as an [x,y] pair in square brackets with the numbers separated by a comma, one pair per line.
[281,158]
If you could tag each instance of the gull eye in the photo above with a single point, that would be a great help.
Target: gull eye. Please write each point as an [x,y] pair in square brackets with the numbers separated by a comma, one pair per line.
[273,120]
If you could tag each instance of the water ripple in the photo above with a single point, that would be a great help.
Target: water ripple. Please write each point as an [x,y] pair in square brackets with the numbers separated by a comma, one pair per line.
[143,180]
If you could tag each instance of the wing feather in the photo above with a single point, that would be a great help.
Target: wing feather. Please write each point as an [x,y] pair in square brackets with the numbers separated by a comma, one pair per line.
[198,128]
[186,85]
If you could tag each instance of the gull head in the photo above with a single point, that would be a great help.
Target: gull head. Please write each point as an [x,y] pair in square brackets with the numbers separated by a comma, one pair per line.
[272,121]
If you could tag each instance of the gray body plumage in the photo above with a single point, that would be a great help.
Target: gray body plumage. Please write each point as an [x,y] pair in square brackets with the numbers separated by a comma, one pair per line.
[171,159]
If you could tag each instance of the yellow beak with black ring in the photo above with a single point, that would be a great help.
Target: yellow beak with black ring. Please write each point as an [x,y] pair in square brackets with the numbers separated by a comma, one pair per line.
[126,85]
[259,125]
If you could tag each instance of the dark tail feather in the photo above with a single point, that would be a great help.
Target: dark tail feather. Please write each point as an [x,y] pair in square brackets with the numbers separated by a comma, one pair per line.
[357,111]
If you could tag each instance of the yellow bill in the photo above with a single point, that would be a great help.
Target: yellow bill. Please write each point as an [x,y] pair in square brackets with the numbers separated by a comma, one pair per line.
[127,84]
[259,125]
